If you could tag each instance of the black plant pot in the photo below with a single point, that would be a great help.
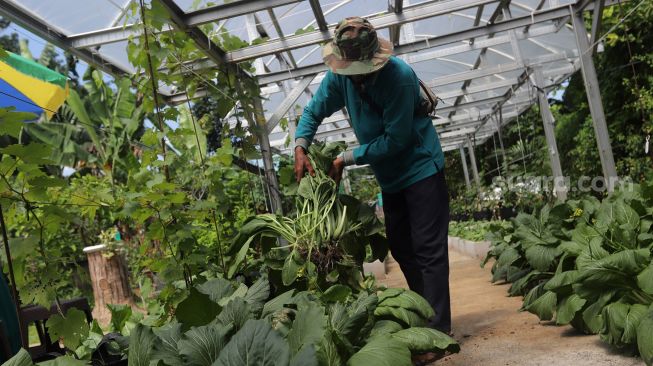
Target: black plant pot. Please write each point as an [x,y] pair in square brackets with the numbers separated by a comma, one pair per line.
[459,217]
[482,215]
[507,212]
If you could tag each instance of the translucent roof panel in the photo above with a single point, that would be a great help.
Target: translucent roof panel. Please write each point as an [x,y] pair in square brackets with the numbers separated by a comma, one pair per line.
[335,10]
[73,16]
[115,53]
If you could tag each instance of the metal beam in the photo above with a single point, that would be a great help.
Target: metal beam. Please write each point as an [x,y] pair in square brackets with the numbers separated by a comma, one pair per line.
[537,8]
[497,69]
[472,158]
[266,152]
[434,42]
[463,159]
[596,23]
[412,13]
[549,132]
[522,79]
[481,56]
[594,100]
[203,43]
[191,19]
[319,15]
[287,103]
[35,24]
[477,20]
[395,6]
[413,58]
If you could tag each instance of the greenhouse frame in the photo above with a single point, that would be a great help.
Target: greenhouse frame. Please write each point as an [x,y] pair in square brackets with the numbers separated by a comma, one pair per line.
[492,60]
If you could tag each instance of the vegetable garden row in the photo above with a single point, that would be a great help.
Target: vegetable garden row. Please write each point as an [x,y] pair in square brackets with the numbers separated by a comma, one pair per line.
[586,263]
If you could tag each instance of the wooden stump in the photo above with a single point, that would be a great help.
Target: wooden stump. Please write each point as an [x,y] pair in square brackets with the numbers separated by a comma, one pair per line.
[110,282]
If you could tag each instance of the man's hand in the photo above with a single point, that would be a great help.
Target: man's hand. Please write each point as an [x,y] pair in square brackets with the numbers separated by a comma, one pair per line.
[302,164]
[335,172]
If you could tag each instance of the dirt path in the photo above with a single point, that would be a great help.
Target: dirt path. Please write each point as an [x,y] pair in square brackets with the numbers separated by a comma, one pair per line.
[492,332]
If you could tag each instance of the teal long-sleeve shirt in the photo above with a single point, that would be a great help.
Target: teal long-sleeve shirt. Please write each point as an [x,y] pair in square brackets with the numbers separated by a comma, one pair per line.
[401,148]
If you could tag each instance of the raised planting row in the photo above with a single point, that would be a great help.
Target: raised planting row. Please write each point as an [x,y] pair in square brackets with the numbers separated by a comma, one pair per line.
[586,263]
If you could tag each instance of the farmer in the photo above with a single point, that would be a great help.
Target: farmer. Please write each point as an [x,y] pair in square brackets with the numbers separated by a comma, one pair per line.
[382,96]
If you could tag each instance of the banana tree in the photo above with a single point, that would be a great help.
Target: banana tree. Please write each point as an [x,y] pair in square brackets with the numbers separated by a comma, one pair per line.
[96,131]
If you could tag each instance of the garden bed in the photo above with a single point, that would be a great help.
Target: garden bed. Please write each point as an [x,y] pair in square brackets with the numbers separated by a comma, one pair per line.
[475,249]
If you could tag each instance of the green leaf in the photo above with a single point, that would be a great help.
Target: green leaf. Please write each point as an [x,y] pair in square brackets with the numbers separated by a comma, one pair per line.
[308,328]
[277,303]
[385,327]
[626,216]
[187,311]
[544,306]
[403,316]
[239,257]
[72,329]
[382,351]
[239,292]
[614,317]
[645,338]
[32,153]
[290,269]
[119,316]
[636,313]
[645,280]
[592,253]
[561,280]
[22,358]
[584,235]
[508,257]
[542,257]
[255,344]
[236,313]
[77,107]
[328,353]
[257,294]
[410,300]
[568,307]
[201,346]
[606,215]
[306,357]
[336,293]
[592,315]
[165,347]
[9,125]
[356,320]
[141,343]
[216,289]
[390,292]
[421,340]
[615,270]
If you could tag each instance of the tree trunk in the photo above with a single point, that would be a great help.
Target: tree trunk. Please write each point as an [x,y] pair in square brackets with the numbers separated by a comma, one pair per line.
[109,280]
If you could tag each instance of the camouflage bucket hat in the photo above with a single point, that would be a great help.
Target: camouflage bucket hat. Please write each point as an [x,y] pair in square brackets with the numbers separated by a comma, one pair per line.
[356,49]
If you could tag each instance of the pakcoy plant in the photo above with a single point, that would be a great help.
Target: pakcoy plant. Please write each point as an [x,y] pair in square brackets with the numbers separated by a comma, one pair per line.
[588,264]
[324,241]
[241,325]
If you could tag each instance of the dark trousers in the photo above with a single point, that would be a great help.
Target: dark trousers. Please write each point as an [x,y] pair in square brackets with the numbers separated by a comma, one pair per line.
[417,224]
